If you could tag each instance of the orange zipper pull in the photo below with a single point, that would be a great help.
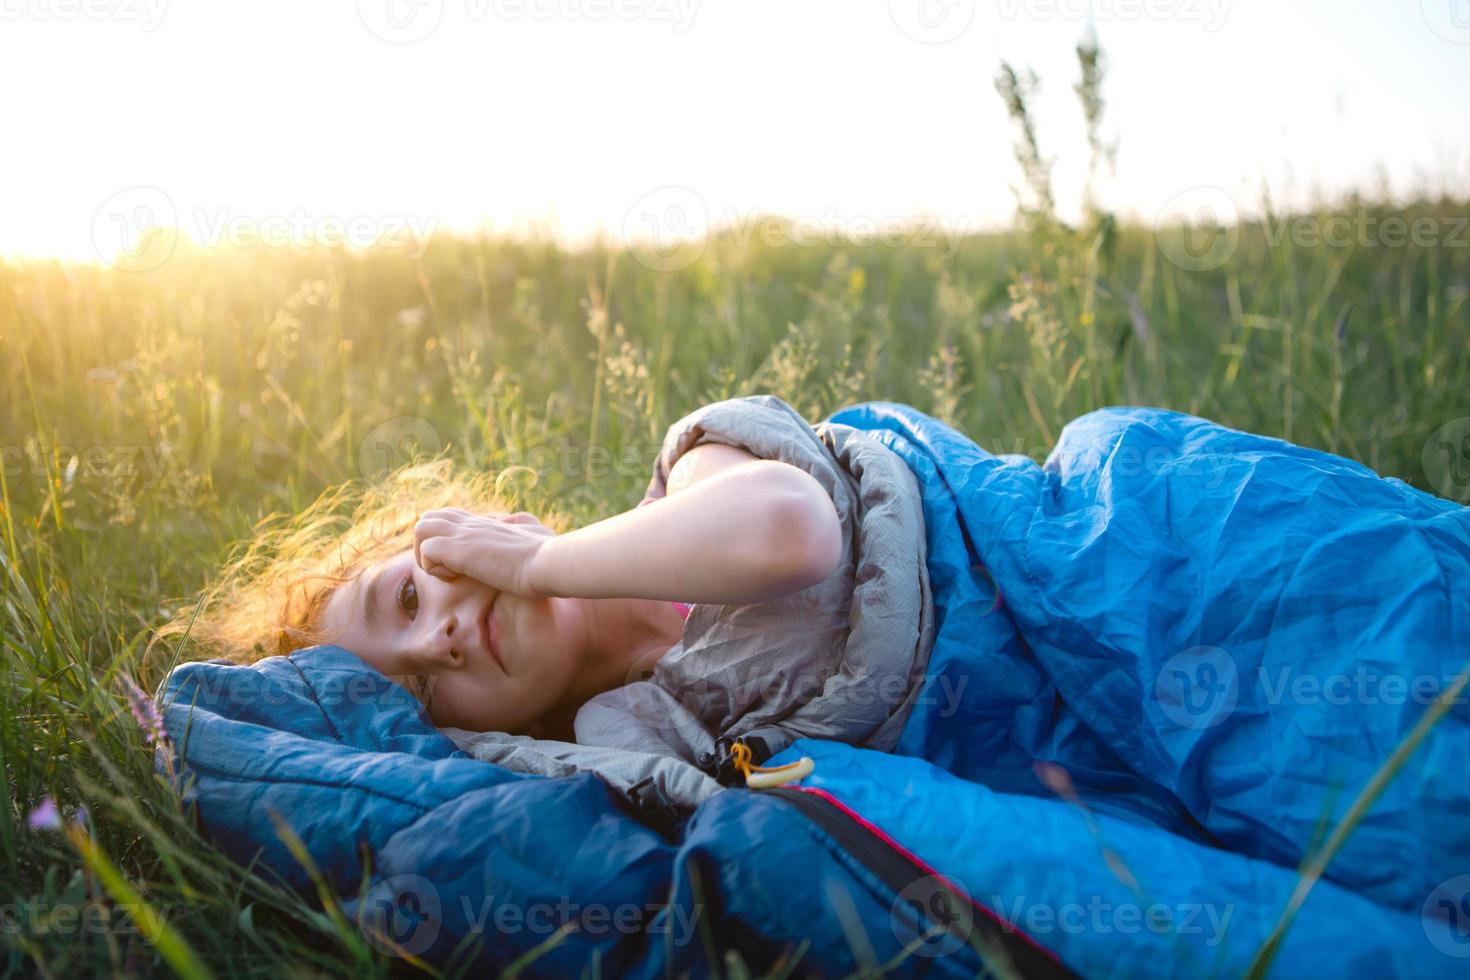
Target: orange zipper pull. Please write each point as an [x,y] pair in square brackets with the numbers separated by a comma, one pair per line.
[764,777]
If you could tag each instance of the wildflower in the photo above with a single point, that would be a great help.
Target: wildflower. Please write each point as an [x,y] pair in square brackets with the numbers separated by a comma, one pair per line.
[46,816]
[145,712]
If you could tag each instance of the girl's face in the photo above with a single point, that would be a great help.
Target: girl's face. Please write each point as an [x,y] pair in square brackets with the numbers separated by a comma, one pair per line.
[432,637]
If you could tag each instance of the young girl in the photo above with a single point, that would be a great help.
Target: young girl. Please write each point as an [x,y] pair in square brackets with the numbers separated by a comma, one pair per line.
[802,550]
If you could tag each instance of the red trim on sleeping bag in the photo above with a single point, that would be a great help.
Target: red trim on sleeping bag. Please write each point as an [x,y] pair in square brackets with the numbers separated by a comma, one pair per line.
[928,869]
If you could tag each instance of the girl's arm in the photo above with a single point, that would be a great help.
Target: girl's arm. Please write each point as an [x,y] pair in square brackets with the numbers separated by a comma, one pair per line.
[732,528]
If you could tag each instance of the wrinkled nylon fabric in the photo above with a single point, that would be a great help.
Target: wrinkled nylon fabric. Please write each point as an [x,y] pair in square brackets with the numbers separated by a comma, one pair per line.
[1215,631]
[841,660]
[1124,612]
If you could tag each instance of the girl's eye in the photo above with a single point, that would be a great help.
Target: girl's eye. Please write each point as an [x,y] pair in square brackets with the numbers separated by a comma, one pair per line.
[408,597]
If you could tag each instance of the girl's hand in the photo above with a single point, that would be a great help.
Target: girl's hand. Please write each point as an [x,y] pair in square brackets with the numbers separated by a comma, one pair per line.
[496,550]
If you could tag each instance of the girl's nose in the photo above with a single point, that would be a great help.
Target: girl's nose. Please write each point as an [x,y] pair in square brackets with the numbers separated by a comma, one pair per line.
[441,647]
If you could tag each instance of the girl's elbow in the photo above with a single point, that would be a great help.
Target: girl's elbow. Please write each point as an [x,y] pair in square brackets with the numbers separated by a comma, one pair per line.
[808,537]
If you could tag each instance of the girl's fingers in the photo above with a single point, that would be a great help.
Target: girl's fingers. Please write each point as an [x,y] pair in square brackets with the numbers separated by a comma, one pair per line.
[446,546]
[426,529]
[433,541]
[436,557]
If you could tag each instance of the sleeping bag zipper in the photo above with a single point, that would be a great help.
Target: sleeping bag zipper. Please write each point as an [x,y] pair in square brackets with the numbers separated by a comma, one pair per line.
[906,874]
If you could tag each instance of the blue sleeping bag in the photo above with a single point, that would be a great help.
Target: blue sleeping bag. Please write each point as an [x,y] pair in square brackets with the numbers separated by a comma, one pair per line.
[1167,662]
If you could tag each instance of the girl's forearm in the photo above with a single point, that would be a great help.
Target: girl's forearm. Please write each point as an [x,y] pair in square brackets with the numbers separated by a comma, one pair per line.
[748,534]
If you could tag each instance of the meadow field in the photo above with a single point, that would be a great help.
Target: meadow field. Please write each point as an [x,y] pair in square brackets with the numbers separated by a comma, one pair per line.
[151,416]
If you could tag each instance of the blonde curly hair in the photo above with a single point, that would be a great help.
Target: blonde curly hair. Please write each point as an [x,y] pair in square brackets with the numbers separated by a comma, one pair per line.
[268,597]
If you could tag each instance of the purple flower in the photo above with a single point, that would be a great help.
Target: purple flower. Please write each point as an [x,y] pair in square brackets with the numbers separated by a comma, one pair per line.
[145,712]
[46,816]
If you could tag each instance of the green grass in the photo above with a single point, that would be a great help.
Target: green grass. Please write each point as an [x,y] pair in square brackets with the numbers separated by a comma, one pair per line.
[149,418]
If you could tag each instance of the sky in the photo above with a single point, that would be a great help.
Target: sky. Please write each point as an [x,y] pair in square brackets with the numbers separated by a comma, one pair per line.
[298,120]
